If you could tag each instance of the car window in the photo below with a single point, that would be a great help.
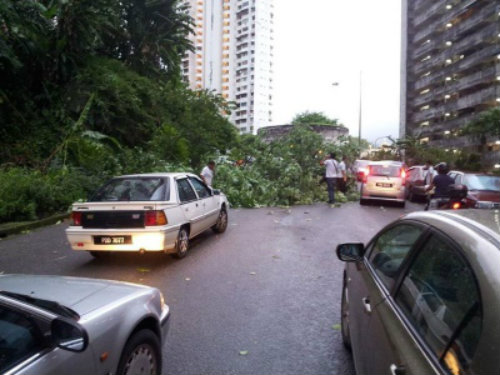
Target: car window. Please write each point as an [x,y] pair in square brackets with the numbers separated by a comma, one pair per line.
[186,192]
[200,188]
[19,338]
[439,296]
[388,170]
[390,249]
[132,189]
[458,179]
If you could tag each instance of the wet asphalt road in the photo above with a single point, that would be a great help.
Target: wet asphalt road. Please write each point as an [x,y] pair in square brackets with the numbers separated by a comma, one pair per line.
[270,285]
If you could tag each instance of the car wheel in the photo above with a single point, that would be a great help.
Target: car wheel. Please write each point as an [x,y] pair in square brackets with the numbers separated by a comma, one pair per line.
[411,196]
[98,254]
[344,319]
[221,224]
[402,204]
[142,354]
[182,244]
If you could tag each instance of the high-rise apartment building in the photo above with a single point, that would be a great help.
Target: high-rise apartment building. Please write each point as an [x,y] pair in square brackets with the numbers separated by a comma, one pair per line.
[450,68]
[233,41]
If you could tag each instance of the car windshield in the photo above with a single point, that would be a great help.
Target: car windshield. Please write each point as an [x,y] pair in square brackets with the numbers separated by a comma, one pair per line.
[51,306]
[482,182]
[132,189]
[388,170]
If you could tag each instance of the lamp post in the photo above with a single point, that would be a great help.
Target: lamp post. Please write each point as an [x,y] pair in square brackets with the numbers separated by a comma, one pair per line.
[360,108]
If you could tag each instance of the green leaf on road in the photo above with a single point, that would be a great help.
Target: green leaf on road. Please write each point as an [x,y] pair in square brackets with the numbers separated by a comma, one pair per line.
[336,327]
[143,270]
[243,352]
[276,257]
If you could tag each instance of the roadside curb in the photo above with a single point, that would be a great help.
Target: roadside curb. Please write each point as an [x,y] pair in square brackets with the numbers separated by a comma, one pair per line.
[15,228]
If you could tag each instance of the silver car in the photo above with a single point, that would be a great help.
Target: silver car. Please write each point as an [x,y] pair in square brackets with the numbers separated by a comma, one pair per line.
[66,325]
[423,296]
[385,181]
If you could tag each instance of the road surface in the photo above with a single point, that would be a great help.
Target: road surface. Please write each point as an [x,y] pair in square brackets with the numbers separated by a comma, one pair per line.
[269,287]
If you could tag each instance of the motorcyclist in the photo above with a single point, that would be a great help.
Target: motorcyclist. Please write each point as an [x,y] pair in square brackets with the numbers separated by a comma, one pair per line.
[440,183]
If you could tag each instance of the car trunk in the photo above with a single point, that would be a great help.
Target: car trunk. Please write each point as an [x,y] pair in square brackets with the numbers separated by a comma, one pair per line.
[114,215]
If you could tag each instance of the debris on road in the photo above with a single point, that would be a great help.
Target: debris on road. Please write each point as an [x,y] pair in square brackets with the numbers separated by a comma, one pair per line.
[336,327]
[243,352]
[253,273]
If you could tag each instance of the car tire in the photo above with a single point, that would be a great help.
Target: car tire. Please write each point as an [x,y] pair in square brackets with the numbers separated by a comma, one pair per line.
[142,354]
[221,224]
[182,243]
[98,254]
[402,204]
[344,318]
[411,195]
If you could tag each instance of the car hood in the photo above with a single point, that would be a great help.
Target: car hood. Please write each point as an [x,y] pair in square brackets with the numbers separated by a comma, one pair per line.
[79,294]
[485,195]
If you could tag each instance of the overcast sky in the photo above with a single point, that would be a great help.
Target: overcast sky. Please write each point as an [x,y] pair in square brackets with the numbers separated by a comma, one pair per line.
[318,42]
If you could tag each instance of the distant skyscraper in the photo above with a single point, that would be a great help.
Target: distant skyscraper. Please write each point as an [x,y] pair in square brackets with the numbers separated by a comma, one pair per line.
[450,68]
[233,41]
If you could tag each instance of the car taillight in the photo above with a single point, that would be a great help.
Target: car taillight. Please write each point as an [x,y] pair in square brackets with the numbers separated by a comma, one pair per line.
[154,218]
[456,206]
[365,172]
[76,218]
[403,175]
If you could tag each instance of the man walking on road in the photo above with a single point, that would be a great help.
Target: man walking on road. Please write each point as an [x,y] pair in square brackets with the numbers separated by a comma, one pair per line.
[342,181]
[207,174]
[332,173]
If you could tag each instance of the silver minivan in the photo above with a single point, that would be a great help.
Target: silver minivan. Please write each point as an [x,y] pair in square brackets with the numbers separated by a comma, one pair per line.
[384,180]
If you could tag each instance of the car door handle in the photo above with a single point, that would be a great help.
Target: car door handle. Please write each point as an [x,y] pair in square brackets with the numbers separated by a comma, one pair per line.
[367,305]
[397,370]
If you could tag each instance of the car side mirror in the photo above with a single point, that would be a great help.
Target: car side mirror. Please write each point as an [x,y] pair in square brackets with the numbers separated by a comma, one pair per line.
[216,191]
[69,335]
[351,252]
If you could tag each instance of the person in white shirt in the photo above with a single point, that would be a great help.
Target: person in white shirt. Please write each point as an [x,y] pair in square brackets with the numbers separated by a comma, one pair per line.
[430,174]
[332,173]
[342,182]
[207,174]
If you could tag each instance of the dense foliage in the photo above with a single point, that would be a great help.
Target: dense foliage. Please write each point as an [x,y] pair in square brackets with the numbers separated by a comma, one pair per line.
[313,118]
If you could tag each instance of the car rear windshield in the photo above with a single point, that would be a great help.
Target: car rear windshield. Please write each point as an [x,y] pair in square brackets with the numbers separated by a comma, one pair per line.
[133,189]
[478,182]
[388,170]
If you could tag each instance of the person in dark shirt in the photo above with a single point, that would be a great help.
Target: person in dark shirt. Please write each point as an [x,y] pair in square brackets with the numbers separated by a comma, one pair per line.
[441,183]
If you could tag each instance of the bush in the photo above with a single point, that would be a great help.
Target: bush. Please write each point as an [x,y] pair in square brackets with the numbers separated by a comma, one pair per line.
[29,195]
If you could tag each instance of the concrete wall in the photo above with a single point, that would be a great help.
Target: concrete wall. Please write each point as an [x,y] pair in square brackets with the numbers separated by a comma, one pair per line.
[328,132]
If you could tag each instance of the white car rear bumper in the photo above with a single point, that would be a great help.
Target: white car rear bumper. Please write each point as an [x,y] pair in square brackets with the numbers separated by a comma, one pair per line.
[148,239]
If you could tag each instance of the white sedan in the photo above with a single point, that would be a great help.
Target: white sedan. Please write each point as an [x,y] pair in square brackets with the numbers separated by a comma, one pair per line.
[157,212]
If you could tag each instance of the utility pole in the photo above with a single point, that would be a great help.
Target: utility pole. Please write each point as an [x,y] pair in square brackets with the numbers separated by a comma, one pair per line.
[360,107]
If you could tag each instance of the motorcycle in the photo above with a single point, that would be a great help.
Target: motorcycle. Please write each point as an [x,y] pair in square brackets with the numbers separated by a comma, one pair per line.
[455,200]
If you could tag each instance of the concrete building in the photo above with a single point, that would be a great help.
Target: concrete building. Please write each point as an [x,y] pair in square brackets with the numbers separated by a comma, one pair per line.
[450,68]
[233,41]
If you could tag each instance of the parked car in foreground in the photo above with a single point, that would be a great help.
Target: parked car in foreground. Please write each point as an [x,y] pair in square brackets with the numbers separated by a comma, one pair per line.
[483,189]
[158,212]
[415,183]
[422,297]
[384,181]
[67,325]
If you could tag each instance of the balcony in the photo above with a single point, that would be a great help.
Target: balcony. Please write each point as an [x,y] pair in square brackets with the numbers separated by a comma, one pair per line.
[430,13]
[477,98]
[451,14]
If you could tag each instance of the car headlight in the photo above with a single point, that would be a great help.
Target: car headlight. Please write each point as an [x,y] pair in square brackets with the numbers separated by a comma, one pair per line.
[162,301]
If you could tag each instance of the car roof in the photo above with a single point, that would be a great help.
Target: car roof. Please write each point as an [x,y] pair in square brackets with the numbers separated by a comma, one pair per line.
[485,223]
[161,174]
[385,162]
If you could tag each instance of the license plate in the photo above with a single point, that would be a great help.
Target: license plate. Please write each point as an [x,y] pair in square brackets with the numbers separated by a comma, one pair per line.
[383,184]
[112,240]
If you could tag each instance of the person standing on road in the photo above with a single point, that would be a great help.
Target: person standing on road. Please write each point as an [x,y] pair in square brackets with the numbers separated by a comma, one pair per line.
[429,175]
[207,174]
[342,181]
[332,173]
